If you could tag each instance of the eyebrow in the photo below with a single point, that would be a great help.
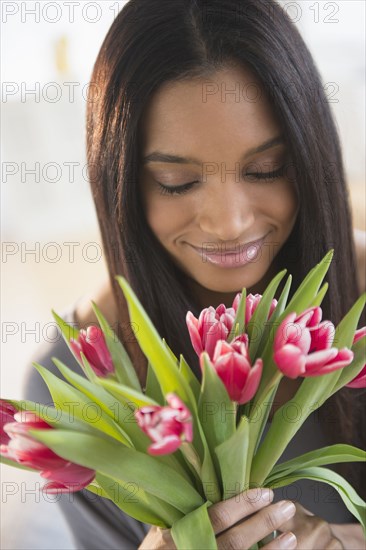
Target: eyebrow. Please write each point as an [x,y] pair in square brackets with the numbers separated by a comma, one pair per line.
[158,156]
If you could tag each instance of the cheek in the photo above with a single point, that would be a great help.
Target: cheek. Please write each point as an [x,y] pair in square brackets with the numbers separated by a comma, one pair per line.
[166,216]
[283,204]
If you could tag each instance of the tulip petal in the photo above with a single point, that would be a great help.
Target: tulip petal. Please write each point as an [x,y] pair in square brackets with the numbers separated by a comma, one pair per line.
[218,331]
[165,446]
[360,333]
[281,338]
[252,382]
[317,359]
[341,359]
[359,381]
[290,361]
[7,412]
[96,337]
[236,302]
[70,475]
[322,336]
[187,431]
[196,341]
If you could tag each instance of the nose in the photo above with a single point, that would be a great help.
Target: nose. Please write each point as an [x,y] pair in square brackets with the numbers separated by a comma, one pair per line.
[227,213]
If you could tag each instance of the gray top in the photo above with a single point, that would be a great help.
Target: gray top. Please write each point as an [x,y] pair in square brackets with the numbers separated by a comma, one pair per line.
[96,523]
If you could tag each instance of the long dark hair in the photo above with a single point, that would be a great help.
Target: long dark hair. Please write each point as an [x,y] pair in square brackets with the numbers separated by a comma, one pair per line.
[155,41]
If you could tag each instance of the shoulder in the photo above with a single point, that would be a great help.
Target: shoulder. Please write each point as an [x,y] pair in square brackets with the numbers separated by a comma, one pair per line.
[359,238]
[103,297]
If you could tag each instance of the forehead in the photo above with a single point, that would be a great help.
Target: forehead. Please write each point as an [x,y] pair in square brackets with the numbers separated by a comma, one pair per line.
[228,109]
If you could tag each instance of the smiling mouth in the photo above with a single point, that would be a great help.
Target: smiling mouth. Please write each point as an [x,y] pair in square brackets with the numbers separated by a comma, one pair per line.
[242,256]
[221,250]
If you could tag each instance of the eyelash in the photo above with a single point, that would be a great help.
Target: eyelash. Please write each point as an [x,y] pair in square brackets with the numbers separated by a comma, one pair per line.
[181,189]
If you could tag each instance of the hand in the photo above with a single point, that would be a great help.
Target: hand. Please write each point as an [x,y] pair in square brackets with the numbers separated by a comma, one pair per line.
[157,538]
[311,531]
[238,523]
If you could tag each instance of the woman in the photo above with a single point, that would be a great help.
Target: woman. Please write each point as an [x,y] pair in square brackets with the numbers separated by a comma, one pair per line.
[208,131]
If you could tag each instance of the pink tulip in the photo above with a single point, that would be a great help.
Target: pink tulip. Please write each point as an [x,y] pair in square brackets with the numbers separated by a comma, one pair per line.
[22,448]
[360,380]
[7,412]
[232,364]
[211,326]
[251,304]
[92,343]
[168,427]
[303,346]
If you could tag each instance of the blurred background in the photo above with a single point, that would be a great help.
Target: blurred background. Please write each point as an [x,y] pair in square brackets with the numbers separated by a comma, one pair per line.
[51,247]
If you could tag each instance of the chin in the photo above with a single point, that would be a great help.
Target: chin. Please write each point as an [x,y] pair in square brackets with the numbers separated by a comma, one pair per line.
[230,284]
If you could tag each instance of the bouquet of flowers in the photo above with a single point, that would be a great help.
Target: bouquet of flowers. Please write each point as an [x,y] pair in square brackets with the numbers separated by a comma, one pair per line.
[164,453]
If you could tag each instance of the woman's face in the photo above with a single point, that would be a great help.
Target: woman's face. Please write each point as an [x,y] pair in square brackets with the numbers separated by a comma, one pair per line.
[215,126]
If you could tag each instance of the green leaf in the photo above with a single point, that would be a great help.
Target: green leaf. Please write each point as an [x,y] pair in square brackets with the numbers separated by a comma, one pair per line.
[216,410]
[194,531]
[67,397]
[346,329]
[209,477]
[333,454]
[67,330]
[217,413]
[95,488]
[114,460]
[131,400]
[281,304]
[257,425]
[88,371]
[137,503]
[153,389]
[282,301]
[116,400]
[232,457]
[172,355]
[320,296]
[169,377]
[308,289]
[190,377]
[260,316]
[127,394]
[57,418]
[125,371]
[239,317]
[350,372]
[352,501]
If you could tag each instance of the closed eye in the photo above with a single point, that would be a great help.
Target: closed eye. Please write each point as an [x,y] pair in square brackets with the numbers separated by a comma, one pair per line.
[181,189]
[267,175]
[175,190]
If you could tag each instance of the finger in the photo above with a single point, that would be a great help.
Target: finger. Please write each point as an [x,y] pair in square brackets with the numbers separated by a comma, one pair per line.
[226,513]
[286,541]
[258,526]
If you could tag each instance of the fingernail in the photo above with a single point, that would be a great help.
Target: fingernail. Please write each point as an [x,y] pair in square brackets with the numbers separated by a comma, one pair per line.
[286,508]
[266,494]
[287,540]
[259,494]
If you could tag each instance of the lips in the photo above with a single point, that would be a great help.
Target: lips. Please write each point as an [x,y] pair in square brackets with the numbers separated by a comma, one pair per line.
[241,256]
[220,249]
